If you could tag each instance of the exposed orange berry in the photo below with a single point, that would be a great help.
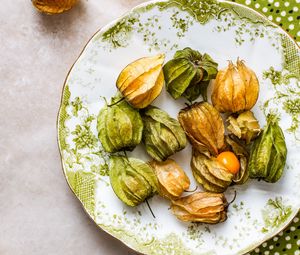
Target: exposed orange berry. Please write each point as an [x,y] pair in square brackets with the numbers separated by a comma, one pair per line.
[230,161]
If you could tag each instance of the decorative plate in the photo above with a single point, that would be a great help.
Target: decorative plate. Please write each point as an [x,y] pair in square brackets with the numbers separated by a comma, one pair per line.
[225,31]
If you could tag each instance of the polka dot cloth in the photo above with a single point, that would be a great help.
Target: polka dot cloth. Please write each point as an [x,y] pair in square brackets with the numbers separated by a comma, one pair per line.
[286,243]
[287,15]
[284,13]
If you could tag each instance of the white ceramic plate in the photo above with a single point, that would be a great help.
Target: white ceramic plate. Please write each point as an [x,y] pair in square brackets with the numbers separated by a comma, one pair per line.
[225,31]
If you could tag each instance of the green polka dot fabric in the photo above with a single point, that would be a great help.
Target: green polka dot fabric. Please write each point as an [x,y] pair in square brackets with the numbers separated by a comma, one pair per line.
[284,13]
[286,242]
[287,15]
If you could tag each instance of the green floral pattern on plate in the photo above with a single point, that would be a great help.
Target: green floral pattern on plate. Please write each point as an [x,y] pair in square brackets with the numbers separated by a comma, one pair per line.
[166,26]
[275,213]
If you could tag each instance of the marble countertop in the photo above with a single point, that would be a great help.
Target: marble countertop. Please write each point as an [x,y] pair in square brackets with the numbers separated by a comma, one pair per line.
[38,212]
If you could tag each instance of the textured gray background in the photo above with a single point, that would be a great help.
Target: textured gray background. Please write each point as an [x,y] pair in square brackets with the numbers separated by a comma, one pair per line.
[38,212]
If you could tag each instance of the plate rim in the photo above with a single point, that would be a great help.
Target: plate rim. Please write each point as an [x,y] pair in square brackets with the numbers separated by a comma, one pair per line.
[110,24]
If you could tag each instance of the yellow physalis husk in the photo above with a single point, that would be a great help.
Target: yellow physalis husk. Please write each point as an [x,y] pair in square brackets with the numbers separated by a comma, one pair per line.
[210,173]
[245,126]
[172,179]
[235,89]
[53,6]
[142,80]
[202,207]
[204,127]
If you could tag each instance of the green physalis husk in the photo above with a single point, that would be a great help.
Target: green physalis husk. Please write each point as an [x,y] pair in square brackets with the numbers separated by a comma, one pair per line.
[162,135]
[132,180]
[268,153]
[119,126]
[188,74]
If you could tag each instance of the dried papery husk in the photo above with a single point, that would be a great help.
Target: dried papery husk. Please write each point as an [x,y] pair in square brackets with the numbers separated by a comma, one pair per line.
[243,156]
[53,6]
[210,173]
[204,127]
[172,179]
[245,126]
[202,207]
[141,81]
[235,89]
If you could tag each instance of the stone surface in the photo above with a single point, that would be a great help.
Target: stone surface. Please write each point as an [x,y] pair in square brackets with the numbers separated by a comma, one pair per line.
[38,212]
